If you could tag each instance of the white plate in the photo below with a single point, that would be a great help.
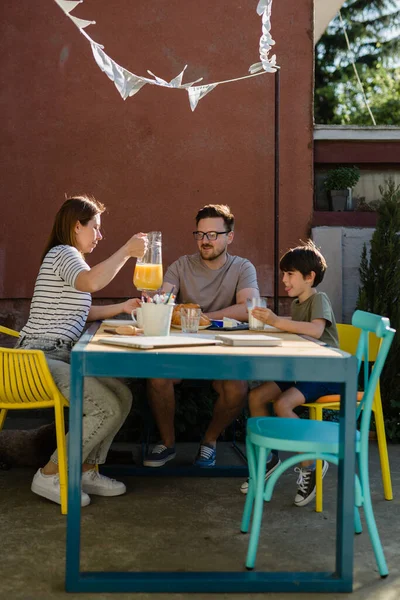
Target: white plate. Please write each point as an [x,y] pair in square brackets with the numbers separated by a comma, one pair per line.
[180,326]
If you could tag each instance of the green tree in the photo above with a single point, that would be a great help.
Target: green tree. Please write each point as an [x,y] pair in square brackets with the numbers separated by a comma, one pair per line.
[382,90]
[372,28]
[379,293]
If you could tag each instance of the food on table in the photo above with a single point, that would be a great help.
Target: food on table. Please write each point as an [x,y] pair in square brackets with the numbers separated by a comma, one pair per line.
[124,330]
[176,315]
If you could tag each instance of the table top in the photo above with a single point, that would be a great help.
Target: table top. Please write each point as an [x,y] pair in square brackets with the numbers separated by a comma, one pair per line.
[292,345]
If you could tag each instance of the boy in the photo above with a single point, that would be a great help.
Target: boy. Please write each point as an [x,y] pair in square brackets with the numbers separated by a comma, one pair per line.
[303,269]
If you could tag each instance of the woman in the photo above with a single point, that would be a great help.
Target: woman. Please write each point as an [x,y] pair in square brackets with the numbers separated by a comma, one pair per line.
[61,305]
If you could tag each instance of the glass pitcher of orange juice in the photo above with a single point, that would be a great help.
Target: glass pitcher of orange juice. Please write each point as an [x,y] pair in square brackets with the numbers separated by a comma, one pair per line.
[148,273]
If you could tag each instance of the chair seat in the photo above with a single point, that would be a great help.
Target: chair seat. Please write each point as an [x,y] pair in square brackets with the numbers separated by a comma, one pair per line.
[333,398]
[295,435]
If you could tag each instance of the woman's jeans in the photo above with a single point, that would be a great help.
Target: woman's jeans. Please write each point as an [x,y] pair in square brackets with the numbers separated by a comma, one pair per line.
[106,402]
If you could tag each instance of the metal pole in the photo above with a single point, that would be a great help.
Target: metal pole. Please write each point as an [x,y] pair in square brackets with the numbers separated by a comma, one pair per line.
[276,194]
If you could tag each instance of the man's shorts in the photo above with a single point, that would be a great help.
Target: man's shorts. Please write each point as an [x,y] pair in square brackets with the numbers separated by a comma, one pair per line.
[311,390]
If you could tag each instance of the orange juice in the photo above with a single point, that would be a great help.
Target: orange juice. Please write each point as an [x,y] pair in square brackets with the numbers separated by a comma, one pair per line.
[148,276]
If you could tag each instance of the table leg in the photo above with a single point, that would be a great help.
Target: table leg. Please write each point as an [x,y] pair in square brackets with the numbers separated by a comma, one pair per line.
[346,474]
[74,475]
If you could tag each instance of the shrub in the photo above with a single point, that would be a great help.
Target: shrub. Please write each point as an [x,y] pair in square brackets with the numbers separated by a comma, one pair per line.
[380,294]
[342,178]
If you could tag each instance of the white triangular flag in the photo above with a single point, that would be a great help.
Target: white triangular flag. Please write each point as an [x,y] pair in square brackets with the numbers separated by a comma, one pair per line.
[198,92]
[262,5]
[177,81]
[126,83]
[68,5]
[158,79]
[81,23]
[255,68]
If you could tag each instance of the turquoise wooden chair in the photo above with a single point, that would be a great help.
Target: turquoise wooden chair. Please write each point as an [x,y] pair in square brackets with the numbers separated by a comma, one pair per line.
[317,440]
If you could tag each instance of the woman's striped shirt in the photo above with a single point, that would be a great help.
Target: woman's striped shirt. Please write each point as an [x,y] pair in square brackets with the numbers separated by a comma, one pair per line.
[58,309]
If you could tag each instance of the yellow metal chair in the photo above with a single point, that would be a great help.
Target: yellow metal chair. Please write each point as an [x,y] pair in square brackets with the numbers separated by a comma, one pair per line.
[9,331]
[26,382]
[348,340]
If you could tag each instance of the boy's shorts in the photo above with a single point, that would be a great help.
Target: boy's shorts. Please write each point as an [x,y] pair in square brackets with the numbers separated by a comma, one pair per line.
[311,390]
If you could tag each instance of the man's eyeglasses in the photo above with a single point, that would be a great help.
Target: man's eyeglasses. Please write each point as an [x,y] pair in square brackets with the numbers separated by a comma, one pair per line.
[210,235]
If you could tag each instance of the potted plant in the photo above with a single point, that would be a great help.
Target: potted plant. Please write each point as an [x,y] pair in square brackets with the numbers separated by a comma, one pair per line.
[340,183]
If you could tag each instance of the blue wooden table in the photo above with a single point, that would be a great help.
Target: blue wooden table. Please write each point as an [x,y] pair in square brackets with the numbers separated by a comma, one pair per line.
[296,360]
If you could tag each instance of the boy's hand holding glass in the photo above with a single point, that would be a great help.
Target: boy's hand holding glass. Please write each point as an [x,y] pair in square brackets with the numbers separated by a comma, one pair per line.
[265,315]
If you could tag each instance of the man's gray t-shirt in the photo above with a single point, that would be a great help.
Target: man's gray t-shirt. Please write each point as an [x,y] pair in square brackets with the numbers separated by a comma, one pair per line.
[317,306]
[212,289]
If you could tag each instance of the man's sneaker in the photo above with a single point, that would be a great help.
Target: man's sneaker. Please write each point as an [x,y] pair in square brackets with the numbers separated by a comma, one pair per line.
[159,456]
[206,456]
[48,486]
[272,464]
[306,484]
[100,485]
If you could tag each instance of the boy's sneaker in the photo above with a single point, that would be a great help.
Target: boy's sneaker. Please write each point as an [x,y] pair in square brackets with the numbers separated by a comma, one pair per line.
[48,486]
[159,456]
[206,456]
[272,464]
[100,485]
[306,484]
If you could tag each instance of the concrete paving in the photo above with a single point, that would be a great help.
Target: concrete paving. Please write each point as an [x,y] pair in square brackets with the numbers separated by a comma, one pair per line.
[183,524]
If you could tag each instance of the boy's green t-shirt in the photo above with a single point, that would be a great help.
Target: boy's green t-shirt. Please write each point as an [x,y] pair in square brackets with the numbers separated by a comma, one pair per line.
[317,306]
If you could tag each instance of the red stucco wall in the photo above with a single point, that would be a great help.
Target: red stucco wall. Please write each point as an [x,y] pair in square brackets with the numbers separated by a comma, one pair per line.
[150,159]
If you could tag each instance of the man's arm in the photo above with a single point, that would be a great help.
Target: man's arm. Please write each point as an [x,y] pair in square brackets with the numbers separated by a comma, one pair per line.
[167,287]
[239,310]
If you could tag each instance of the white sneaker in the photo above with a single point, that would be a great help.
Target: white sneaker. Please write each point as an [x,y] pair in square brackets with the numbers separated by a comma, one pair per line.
[272,464]
[306,484]
[95,483]
[48,486]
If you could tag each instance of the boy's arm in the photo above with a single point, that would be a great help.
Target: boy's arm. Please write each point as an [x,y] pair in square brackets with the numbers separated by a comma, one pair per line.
[314,329]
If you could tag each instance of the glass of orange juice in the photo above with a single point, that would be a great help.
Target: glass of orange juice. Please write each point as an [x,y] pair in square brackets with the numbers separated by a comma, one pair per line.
[148,273]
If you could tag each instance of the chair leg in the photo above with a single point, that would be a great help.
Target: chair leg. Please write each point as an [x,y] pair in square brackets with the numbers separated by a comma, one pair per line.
[258,509]
[382,445]
[3,414]
[248,505]
[317,415]
[62,455]
[370,519]
[357,521]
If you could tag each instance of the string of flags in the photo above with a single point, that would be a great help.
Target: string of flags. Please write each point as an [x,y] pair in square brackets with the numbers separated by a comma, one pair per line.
[129,84]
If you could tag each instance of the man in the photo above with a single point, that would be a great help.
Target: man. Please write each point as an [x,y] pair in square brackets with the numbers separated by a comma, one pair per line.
[220,284]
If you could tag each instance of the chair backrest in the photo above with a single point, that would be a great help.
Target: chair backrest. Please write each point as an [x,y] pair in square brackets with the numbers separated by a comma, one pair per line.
[25,379]
[380,326]
[349,337]
[9,331]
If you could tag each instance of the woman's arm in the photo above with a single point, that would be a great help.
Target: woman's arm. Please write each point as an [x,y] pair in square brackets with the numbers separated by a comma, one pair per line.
[101,275]
[108,311]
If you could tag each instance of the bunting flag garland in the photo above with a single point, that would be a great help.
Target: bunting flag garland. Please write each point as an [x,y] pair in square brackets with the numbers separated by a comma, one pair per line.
[198,92]
[129,84]
[266,42]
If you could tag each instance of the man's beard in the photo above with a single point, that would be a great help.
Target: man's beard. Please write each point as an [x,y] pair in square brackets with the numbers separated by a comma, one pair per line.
[213,256]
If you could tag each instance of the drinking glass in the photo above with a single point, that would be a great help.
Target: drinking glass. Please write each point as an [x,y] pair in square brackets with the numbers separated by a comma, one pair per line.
[190,319]
[255,324]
